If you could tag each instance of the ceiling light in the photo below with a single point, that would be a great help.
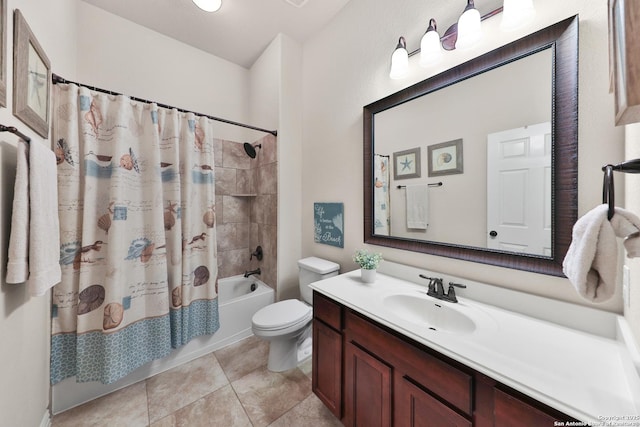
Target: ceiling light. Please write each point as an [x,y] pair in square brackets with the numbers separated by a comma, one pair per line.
[469,28]
[208,5]
[430,47]
[399,60]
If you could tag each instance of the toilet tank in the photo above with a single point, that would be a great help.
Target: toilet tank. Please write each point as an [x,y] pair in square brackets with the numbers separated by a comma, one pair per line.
[311,270]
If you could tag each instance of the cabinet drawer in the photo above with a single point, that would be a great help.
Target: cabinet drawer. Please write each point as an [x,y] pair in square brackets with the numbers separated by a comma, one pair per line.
[327,310]
[444,380]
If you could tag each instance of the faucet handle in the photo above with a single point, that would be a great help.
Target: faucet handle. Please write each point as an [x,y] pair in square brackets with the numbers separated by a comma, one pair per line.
[457,285]
[451,292]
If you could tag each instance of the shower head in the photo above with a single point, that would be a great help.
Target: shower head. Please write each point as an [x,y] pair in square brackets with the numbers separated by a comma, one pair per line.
[251,149]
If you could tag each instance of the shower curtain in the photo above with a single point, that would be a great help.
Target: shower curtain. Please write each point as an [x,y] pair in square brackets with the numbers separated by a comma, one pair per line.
[381,195]
[137,229]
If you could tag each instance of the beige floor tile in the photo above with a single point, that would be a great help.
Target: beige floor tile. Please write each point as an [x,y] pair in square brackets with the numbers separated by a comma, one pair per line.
[240,358]
[220,408]
[183,385]
[311,412]
[123,407]
[168,421]
[266,395]
[306,367]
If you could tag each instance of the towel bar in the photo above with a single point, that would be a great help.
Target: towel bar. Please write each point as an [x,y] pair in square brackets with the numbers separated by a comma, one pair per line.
[12,129]
[437,184]
[608,196]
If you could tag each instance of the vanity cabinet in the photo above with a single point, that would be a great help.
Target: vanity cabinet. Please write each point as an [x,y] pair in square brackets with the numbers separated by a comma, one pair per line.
[369,375]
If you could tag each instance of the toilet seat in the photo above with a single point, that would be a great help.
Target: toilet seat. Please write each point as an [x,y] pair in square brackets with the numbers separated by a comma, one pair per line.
[282,315]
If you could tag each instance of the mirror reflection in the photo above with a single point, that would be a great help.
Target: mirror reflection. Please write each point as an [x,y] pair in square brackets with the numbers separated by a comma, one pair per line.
[470,164]
[494,137]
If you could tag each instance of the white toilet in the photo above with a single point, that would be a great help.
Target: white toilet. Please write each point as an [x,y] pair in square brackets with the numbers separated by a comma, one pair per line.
[287,324]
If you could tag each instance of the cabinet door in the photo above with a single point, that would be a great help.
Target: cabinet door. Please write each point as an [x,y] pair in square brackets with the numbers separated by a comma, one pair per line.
[511,411]
[327,367]
[367,389]
[416,408]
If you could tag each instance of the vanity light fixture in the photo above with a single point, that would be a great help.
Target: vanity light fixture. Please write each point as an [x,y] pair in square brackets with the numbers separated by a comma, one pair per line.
[399,60]
[430,47]
[469,28]
[208,5]
[463,35]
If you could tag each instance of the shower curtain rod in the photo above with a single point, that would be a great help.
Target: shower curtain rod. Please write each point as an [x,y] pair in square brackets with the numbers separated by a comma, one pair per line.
[57,79]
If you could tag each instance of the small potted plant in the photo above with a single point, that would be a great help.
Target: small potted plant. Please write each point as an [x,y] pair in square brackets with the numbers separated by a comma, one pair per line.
[368,262]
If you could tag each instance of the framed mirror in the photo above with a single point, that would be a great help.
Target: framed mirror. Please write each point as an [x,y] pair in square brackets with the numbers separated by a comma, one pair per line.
[512,115]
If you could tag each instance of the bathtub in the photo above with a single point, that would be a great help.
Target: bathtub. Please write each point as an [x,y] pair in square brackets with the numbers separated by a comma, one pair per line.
[238,300]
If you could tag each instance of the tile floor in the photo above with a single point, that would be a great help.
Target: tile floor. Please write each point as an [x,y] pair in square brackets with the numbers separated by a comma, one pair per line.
[228,388]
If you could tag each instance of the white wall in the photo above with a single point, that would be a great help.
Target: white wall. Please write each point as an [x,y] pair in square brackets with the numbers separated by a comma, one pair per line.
[632,203]
[275,99]
[346,67]
[124,57]
[24,320]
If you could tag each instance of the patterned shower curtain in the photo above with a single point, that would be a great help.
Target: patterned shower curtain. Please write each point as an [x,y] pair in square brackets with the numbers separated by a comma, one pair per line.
[381,195]
[137,227]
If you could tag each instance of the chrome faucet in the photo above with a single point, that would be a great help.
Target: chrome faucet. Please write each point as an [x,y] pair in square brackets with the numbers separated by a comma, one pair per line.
[250,272]
[436,289]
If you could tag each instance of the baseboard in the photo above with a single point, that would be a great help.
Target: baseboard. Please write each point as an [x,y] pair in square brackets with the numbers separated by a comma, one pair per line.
[46,419]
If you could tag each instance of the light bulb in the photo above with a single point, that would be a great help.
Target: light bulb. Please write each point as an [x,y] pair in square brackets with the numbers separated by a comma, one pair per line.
[399,60]
[469,28]
[430,46]
[208,5]
[516,13]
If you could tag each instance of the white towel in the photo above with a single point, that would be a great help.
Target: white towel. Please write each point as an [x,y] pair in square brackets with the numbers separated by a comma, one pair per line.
[18,264]
[591,262]
[41,237]
[418,206]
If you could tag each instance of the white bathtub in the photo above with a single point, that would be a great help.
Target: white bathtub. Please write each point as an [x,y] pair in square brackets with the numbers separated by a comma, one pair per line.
[237,303]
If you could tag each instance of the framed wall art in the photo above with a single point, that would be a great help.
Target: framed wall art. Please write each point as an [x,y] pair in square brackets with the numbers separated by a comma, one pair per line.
[31,78]
[406,164]
[328,221]
[624,61]
[445,158]
[3,53]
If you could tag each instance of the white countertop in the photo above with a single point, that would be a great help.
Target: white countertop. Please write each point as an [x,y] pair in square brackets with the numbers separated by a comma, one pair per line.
[587,376]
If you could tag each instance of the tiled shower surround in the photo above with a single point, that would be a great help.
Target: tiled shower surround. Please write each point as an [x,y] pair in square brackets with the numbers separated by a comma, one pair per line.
[246,207]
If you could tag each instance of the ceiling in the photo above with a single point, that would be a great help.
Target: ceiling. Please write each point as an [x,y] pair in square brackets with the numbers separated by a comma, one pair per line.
[239,32]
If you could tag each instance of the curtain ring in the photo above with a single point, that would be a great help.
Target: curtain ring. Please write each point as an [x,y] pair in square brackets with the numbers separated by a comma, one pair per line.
[608,191]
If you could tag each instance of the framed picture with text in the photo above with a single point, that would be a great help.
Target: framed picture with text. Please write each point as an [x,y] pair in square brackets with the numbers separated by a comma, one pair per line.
[31,78]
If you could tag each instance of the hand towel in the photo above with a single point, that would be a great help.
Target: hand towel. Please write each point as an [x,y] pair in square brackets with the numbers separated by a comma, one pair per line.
[41,237]
[418,206]
[18,264]
[44,228]
[591,262]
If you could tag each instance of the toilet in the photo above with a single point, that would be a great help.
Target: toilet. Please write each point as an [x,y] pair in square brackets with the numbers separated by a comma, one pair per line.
[287,324]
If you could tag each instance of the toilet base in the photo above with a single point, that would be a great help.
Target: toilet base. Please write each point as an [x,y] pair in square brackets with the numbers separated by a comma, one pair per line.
[286,354]
[283,355]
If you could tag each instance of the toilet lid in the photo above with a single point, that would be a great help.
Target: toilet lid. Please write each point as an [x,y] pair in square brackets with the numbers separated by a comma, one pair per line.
[282,314]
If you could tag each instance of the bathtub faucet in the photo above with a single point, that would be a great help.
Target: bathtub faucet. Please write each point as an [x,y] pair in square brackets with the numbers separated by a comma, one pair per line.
[249,273]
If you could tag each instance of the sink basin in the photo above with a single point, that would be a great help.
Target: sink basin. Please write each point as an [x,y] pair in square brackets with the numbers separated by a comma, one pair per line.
[434,314]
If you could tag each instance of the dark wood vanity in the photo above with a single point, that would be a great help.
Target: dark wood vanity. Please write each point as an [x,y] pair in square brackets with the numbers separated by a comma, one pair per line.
[369,375]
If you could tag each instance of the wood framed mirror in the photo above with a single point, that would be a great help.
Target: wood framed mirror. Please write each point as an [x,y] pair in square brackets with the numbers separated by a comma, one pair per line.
[556,44]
